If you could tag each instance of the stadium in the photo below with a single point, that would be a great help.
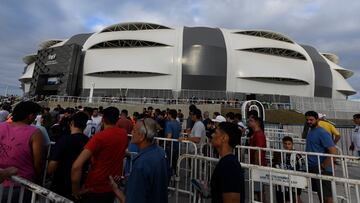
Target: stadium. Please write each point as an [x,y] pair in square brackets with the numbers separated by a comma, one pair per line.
[147,60]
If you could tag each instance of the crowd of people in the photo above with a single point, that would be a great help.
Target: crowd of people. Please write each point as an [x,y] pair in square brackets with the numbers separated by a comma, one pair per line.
[86,162]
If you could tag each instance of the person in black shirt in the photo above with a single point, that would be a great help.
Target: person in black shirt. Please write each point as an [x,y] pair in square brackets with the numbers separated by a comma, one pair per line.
[227,181]
[65,152]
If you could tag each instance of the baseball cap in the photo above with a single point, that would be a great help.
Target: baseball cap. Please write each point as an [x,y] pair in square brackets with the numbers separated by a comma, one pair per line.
[219,119]
[322,115]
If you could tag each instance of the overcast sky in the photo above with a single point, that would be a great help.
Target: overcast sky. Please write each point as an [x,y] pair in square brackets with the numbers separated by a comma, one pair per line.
[328,25]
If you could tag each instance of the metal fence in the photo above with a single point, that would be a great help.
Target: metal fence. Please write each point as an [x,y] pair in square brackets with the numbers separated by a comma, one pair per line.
[333,108]
[344,142]
[21,190]
[271,180]
[156,100]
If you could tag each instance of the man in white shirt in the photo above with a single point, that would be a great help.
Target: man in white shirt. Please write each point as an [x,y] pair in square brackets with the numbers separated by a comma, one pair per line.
[96,118]
[355,140]
[198,132]
[92,126]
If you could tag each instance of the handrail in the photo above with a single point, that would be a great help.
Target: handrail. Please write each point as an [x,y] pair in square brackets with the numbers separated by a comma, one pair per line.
[49,195]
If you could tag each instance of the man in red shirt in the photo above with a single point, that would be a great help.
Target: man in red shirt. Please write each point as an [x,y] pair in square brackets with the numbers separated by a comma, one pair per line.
[106,150]
[124,122]
[257,157]
[257,139]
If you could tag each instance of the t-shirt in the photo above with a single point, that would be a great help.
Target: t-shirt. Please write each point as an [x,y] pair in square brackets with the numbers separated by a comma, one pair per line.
[174,128]
[108,151]
[241,125]
[65,152]
[228,177]
[288,161]
[125,124]
[318,140]
[330,128]
[198,130]
[257,140]
[97,120]
[91,128]
[3,115]
[44,133]
[356,137]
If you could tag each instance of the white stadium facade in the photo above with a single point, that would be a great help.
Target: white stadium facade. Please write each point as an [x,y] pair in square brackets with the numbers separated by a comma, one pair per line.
[146,59]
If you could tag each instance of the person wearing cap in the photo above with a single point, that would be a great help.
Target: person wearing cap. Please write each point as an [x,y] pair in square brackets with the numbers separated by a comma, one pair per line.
[355,139]
[214,123]
[329,127]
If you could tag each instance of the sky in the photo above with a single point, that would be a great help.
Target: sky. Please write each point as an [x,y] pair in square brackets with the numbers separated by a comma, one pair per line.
[328,25]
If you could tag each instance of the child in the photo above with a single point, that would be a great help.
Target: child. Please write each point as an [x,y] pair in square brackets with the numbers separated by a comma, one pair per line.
[288,161]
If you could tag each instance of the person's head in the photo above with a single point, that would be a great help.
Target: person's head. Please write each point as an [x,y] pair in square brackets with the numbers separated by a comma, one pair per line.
[78,121]
[356,119]
[6,107]
[192,108]
[95,112]
[110,115]
[157,112]
[26,112]
[124,113]
[144,132]
[226,135]
[312,119]
[287,143]
[46,110]
[216,114]
[88,111]
[69,111]
[196,115]
[179,110]
[206,115]
[172,113]
[254,122]
[230,116]
[252,113]
[238,117]
[136,115]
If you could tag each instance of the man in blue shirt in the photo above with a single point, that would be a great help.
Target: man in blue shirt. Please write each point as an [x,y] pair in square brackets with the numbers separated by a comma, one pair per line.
[149,175]
[318,140]
[172,131]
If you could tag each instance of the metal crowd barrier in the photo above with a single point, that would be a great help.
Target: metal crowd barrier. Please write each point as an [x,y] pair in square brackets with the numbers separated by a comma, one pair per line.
[22,190]
[270,181]
[340,164]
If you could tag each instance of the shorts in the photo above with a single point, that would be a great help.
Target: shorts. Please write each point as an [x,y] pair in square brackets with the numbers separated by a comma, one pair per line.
[326,185]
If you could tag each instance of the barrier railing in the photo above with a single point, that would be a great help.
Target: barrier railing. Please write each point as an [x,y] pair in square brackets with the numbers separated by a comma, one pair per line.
[343,162]
[344,142]
[22,190]
[272,181]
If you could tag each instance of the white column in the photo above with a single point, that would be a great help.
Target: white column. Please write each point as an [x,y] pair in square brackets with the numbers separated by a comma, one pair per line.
[91,92]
